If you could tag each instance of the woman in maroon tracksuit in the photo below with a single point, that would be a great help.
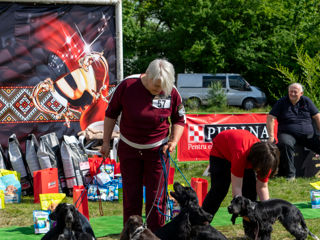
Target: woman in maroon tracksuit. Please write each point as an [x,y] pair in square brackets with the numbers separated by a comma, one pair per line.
[148,103]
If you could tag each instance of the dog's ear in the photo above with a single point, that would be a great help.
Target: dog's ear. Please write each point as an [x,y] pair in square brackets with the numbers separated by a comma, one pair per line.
[245,202]
[233,218]
[251,211]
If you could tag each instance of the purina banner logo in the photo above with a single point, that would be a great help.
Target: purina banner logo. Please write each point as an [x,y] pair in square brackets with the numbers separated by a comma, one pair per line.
[205,133]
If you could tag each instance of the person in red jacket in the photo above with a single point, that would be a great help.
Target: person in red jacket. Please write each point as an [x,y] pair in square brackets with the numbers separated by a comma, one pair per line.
[238,157]
[149,104]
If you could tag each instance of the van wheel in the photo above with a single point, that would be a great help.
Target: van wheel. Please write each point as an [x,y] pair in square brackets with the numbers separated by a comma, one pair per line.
[248,104]
[193,103]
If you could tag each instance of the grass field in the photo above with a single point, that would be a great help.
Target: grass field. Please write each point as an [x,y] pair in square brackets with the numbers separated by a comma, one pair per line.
[298,191]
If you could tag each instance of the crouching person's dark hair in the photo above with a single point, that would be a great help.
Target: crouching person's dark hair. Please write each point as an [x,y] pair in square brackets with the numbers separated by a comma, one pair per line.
[264,157]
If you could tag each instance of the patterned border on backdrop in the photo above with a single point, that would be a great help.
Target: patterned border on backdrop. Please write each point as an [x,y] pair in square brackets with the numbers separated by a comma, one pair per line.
[16,106]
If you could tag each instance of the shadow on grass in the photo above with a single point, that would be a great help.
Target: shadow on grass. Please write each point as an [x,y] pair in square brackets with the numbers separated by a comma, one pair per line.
[111,236]
[22,230]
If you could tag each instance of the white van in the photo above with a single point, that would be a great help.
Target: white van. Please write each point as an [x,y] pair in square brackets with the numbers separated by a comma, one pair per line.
[195,86]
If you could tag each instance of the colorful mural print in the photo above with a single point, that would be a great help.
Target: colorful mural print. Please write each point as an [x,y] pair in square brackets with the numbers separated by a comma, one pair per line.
[56,66]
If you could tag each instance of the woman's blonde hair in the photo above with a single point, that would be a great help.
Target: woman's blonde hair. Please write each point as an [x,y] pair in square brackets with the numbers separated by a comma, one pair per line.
[163,70]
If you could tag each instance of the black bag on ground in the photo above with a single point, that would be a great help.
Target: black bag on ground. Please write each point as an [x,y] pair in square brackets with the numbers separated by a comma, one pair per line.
[49,157]
[18,163]
[3,161]
[75,162]
[32,146]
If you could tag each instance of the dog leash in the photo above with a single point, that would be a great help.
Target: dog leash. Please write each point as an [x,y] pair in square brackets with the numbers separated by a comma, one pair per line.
[176,166]
[82,195]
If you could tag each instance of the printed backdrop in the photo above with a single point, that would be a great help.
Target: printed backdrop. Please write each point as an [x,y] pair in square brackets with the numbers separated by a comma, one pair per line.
[196,141]
[56,65]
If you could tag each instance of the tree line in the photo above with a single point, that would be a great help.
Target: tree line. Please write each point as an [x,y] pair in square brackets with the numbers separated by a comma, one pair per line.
[269,42]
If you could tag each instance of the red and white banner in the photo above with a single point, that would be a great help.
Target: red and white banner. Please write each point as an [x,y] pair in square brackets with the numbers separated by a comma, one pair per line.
[196,141]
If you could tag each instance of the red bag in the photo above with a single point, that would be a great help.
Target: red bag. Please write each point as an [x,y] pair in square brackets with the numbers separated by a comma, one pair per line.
[171,175]
[200,186]
[94,164]
[45,181]
[80,200]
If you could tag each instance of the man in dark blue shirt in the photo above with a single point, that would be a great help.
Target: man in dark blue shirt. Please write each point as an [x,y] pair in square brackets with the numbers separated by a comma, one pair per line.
[294,114]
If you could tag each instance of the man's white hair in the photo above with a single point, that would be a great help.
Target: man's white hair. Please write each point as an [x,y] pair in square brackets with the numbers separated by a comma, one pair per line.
[163,70]
[299,85]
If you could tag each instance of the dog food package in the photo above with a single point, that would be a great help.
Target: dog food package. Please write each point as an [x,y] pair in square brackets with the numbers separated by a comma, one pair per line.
[75,162]
[45,181]
[49,157]
[92,192]
[32,146]
[1,199]
[41,221]
[19,164]
[70,161]
[103,178]
[3,162]
[12,191]
[315,198]
[108,169]
[49,201]
[4,172]
[109,193]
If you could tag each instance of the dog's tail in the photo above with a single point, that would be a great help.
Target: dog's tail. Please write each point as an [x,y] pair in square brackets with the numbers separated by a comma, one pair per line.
[304,225]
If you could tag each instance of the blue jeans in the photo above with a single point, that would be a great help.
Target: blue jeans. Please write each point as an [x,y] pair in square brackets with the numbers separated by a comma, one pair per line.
[286,144]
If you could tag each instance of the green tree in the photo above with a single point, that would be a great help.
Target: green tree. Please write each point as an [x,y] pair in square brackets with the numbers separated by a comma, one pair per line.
[308,75]
[241,36]
[217,96]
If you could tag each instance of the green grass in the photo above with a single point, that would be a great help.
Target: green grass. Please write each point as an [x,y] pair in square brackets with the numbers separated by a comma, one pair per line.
[298,191]
[225,110]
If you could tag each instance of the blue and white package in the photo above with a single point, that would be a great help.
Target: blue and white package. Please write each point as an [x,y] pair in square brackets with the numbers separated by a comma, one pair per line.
[92,192]
[315,198]
[12,191]
[41,221]
[103,178]
[109,169]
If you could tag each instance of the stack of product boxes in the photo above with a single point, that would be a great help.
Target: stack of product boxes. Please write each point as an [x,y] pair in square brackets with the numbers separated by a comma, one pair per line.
[106,185]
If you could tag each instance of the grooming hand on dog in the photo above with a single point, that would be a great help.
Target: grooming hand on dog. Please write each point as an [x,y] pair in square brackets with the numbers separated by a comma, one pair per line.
[192,222]
[265,213]
[70,224]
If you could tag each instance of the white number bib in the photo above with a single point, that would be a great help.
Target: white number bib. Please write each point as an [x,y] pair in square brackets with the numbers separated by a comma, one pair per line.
[161,102]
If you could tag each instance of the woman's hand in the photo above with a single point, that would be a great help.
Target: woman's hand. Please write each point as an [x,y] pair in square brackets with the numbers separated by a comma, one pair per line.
[170,146]
[105,149]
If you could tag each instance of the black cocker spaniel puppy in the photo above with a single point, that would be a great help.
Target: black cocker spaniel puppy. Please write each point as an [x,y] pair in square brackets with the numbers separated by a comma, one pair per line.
[192,222]
[70,224]
[262,215]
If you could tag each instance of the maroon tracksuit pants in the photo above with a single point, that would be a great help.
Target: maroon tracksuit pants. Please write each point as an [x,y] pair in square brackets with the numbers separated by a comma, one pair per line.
[142,167]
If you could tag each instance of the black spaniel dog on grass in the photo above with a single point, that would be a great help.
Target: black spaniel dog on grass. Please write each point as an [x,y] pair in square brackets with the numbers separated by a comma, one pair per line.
[262,215]
[192,222]
[70,224]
